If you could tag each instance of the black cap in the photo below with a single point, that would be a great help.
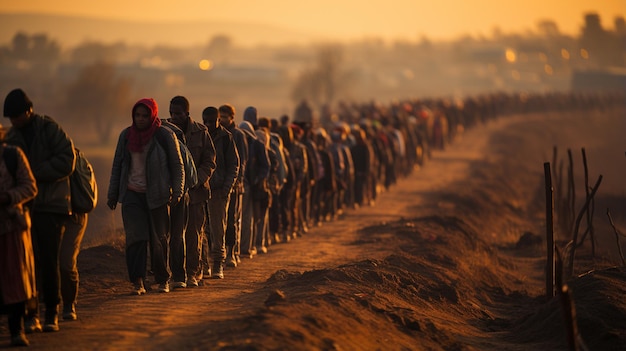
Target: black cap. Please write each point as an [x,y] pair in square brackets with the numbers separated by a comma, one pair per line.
[16,103]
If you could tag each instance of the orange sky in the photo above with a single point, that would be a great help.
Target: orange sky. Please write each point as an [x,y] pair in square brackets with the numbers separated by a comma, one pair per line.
[342,19]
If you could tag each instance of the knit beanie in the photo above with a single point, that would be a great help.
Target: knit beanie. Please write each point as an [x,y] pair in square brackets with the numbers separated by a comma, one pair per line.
[16,103]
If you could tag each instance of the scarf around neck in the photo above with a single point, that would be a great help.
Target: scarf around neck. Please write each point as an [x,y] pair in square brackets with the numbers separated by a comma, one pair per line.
[138,139]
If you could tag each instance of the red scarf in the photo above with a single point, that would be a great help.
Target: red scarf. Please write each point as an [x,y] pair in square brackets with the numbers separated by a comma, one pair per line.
[137,139]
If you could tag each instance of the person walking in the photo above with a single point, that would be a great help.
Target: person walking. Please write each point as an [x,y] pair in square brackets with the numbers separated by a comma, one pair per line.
[17,261]
[179,214]
[233,223]
[202,150]
[256,173]
[50,152]
[221,184]
[147,177]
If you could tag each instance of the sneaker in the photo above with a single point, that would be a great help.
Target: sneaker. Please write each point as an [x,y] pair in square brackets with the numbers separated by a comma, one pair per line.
[231,262]
[277,239]
[192,282]
[51,324]
[179,285]
[32,325]
[138,288]
[69,312]
[164,287]
[218,271]
[19,340]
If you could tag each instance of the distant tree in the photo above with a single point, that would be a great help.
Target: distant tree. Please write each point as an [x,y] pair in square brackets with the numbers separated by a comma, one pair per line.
[220,42]
[20,46]
[45,49]
[323,82]
[167,53]
[219,47]
[90,52]
[38,47]
[99,97]
[548,28]
[620,25]
[308,86]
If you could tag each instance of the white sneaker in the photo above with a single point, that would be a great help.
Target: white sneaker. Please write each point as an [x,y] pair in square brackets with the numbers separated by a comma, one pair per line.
[164,287]
[179,285]
[138,288]
[192,282]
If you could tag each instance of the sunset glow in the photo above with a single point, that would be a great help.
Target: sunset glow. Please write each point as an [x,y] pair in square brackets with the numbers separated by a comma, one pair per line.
[340,19]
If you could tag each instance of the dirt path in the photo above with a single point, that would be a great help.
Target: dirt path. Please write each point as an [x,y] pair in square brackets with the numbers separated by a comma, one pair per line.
[110,319]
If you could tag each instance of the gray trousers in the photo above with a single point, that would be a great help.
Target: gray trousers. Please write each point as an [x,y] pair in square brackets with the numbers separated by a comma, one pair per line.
[146,229]
[179,221]
[193,239]
[68,257]
[233,225]
[218,214]
[247,224]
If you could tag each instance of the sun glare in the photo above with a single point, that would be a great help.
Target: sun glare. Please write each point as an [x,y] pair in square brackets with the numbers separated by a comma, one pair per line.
[205,65]
[511,56]
[584,54]
[549,70]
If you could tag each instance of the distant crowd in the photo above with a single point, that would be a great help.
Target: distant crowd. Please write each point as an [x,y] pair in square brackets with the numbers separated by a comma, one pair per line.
[199,196]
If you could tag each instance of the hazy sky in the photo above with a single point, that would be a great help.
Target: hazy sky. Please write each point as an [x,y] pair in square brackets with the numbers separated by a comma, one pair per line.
[344,19]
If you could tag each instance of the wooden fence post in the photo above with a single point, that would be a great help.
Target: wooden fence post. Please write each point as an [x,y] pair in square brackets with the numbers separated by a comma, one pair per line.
[549,231]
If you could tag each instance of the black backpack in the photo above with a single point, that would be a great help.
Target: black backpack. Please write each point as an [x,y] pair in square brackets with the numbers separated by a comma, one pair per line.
[83,187]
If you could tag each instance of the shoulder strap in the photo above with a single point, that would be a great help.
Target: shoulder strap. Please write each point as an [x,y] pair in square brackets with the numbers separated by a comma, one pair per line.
[160,137]
[10,159]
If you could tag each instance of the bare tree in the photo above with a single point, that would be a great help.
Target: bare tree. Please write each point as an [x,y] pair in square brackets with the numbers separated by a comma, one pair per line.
[99,97]
[325,80]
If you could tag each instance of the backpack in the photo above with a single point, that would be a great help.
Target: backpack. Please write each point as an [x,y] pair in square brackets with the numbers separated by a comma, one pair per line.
[83,187]
[191,173]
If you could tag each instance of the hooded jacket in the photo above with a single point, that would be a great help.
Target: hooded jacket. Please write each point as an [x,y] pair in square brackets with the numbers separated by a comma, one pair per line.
[258,168]
[241,142]
[202,150]
[165,175]
[227,161]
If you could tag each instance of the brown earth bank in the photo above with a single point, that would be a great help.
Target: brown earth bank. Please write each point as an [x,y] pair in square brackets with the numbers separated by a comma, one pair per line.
[436,264]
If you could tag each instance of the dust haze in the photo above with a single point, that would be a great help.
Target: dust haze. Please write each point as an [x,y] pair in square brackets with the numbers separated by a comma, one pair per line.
[89,84]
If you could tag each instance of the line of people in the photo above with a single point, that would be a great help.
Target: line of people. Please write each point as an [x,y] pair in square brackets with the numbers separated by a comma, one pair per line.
[264,181]
[199,196]
[268,180]
[196,197]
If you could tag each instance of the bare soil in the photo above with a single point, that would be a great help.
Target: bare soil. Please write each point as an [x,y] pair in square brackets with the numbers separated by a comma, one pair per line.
[436,264]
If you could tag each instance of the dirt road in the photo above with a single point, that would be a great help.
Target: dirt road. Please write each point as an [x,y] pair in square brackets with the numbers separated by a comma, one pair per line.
[240,311]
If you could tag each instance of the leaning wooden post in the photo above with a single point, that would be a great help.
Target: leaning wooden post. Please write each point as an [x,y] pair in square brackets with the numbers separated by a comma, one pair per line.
[589,213]
[549,231]
[571,192]
[574,241]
